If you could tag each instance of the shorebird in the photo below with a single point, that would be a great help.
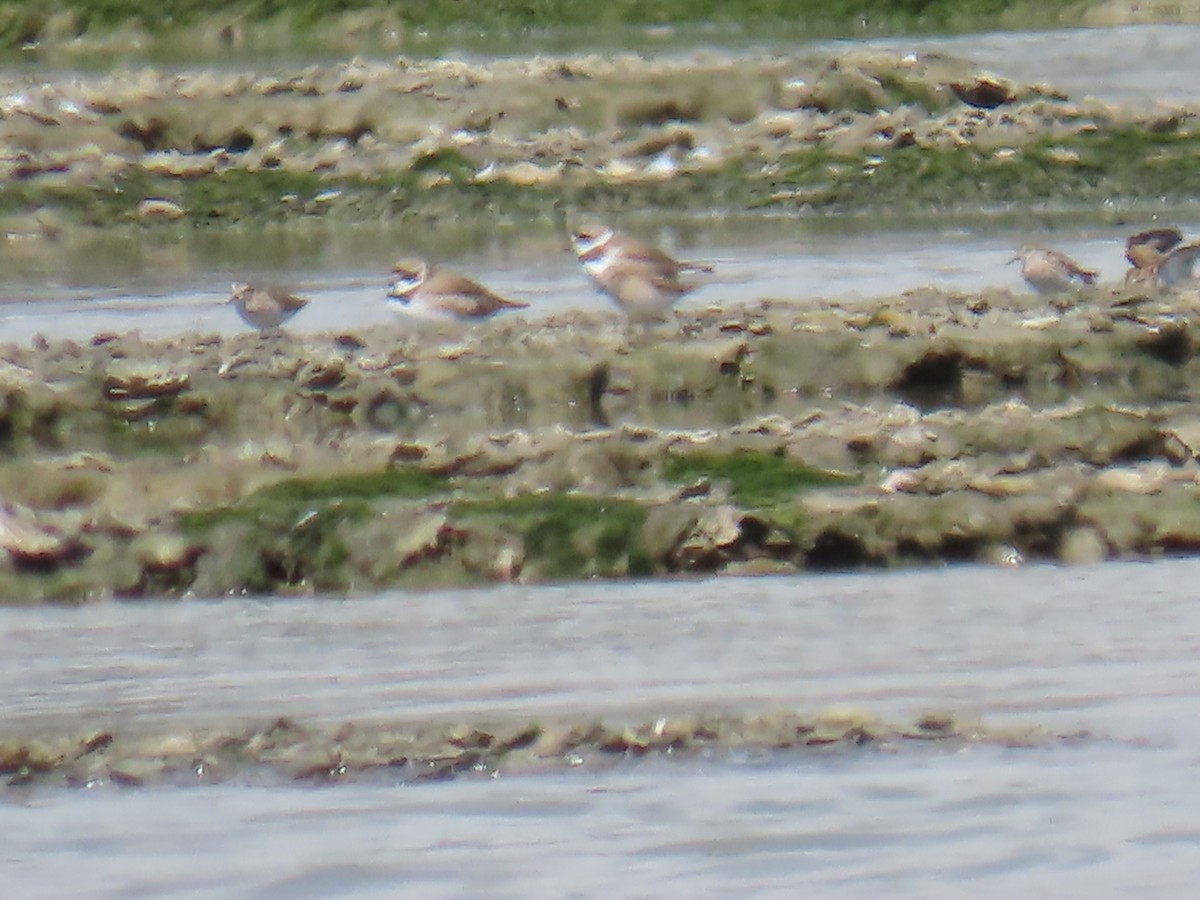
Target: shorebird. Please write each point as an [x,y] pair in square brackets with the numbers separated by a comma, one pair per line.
[434,293]
[265,308]
[1160,257]
[1175,266]
[641,279]
[1146,248]
[1050,272]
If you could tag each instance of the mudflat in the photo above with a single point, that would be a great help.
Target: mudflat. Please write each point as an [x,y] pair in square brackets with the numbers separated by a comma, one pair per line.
[767,437]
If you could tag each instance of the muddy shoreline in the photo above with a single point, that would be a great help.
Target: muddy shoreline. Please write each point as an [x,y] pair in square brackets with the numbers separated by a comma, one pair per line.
[771,437]
[533,138]
[919,429]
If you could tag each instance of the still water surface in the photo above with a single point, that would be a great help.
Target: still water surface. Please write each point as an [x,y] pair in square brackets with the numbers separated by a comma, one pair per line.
[1111,649]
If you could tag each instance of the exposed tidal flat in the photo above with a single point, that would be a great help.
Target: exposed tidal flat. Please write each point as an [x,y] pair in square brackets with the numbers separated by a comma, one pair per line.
[770,438]
[285,751]
[761,437]
[332,489]
[428,142]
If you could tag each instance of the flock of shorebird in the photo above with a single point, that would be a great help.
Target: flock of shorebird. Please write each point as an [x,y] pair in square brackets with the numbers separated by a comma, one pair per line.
[641,279]
[645,282]
[1158,257]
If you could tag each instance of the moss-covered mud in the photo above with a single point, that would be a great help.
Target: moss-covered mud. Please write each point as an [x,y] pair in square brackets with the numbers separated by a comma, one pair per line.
[767,438]
[290,751]
[531,139]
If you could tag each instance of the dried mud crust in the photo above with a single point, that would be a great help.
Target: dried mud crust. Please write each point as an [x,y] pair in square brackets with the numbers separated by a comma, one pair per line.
[437,140]
[290,750]
[769,438]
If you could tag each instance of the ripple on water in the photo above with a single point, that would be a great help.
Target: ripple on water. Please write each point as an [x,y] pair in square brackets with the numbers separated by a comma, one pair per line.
[1106,816]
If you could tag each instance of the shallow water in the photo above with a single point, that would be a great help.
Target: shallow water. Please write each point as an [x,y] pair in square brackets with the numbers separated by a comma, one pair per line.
[889,641]
[130,280]
[1110,649]
[792,263]
[1121,64]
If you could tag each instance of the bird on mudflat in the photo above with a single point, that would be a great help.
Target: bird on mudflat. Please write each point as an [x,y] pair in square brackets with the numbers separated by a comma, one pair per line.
[1146,248]
[264,308]
[641,279]
[1050,272]
[1159,257]
[432,292]
[1175,267]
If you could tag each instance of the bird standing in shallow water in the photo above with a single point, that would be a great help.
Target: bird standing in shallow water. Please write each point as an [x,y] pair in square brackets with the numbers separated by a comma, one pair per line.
[431,292]
[1050,272]
[641,279]
[264,308]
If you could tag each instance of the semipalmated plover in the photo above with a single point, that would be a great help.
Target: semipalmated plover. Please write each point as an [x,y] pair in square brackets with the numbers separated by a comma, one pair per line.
[1050,272]
[431,292]
[641,279]
[265,308]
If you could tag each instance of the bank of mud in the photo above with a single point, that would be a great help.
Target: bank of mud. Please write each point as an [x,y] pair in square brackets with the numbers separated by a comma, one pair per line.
[925,428]
[287,750]
[534,138]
